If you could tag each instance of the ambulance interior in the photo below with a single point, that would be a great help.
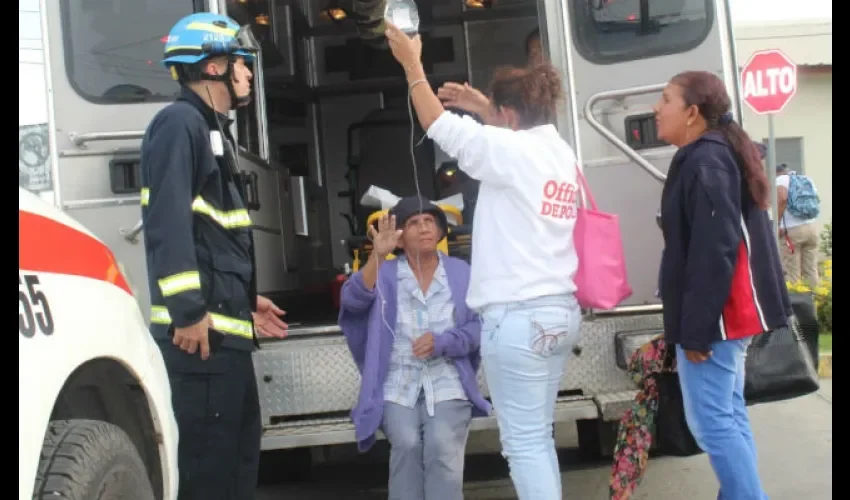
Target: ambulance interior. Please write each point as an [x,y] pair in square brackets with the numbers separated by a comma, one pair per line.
[337,123]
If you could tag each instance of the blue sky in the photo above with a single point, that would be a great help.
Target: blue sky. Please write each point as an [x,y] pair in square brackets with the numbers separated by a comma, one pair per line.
[32,106]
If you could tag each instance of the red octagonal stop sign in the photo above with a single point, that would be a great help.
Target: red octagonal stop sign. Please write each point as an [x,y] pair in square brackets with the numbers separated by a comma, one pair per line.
[768,81]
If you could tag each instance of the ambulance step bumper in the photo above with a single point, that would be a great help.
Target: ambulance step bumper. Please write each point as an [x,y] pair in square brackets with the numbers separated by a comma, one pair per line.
[613,406]
[321,432]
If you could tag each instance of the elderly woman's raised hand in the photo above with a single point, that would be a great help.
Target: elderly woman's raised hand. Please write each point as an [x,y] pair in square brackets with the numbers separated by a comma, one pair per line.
[407,51]
[385,237]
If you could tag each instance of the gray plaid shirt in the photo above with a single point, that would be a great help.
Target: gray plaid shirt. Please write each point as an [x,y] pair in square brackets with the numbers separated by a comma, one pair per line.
[408,375]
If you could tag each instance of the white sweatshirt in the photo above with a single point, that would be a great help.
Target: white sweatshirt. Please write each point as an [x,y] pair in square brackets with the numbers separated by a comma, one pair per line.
[522,237]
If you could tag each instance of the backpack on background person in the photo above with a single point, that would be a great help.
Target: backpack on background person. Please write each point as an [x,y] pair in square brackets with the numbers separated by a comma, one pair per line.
[803,200]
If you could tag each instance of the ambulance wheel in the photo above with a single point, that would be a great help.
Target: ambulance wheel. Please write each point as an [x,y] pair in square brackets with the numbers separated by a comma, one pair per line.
[90,459]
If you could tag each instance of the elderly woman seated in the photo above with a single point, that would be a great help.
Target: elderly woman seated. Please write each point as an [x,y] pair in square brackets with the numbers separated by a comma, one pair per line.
[415,343]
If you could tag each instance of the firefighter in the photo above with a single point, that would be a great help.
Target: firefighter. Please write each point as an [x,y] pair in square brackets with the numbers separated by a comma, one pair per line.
[206,313]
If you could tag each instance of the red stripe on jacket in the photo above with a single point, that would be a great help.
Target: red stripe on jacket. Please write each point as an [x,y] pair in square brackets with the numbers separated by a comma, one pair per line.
[741,315]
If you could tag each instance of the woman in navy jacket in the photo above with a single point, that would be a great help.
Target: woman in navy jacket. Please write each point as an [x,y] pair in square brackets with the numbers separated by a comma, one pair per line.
[721,279]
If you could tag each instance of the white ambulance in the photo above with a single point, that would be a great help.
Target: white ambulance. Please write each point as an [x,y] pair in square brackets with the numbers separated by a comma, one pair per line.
[94,404]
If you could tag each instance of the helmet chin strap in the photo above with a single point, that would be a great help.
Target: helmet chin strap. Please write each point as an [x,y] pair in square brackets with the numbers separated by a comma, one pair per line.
[227,78]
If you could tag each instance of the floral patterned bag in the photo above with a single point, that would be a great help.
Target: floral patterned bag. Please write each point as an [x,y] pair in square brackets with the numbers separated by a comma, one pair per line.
[634,437]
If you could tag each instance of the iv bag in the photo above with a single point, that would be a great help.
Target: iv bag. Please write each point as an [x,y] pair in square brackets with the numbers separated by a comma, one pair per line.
[403,13]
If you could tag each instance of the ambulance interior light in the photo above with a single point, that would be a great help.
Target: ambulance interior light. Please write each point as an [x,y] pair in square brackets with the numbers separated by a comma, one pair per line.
[335,14]
[479,4]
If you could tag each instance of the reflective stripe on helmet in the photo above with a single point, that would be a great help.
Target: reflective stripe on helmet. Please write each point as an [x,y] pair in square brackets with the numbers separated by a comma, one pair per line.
[211,28]
[196,49]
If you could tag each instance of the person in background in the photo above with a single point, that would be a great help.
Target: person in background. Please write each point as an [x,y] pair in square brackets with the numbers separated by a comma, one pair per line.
[416,344]
[467,98]
[798,205]
[721,279]
[522,273]
[534,48]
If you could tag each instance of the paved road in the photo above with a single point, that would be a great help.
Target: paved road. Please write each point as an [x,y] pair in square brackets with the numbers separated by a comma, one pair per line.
[795,449]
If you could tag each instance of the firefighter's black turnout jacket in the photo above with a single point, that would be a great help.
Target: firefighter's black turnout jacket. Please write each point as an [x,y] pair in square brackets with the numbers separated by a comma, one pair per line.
[198,240]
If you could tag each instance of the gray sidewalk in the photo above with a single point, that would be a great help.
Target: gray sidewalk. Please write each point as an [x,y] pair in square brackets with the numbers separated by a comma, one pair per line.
[795,449]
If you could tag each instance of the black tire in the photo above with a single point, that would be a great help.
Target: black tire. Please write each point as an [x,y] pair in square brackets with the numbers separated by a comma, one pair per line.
[90,460]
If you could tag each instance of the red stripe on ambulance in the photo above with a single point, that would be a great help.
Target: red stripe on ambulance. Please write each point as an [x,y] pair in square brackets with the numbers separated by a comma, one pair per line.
[47,246]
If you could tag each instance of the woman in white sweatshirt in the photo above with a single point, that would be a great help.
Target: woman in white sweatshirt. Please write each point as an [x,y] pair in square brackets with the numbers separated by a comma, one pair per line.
[523,258]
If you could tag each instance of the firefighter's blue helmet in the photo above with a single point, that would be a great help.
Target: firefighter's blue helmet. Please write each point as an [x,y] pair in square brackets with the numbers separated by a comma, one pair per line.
[199,36]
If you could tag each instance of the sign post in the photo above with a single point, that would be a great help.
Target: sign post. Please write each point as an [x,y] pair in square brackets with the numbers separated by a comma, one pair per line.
[771,174]
[769,81]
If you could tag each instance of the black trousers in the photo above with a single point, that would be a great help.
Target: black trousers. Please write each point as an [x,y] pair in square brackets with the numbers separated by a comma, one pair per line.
[218,417]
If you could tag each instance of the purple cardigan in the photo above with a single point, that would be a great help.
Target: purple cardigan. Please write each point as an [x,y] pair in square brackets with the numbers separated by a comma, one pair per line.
[370,342]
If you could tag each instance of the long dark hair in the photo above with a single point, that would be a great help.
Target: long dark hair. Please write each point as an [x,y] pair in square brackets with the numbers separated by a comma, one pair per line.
[707,92]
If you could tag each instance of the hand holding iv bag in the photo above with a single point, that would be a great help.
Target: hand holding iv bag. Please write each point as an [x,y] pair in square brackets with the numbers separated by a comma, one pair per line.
[403,13]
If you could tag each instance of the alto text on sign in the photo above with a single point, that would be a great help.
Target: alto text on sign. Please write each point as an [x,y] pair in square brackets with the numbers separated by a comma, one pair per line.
[768,81]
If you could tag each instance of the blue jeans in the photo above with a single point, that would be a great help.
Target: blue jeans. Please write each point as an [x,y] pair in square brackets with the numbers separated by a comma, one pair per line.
[713,394]
[524,347]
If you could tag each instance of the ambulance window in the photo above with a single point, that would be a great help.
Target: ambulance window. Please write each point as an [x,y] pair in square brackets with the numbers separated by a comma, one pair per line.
[113,48]
[612,31]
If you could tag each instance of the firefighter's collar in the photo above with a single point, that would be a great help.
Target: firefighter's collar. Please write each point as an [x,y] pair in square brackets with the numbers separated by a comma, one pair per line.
[191,96]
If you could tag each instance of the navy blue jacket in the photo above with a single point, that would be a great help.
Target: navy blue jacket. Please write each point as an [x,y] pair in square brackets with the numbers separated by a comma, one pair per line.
[721,277]
[198,240]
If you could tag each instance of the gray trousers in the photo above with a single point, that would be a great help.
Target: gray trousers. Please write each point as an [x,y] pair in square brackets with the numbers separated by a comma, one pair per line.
[427,453]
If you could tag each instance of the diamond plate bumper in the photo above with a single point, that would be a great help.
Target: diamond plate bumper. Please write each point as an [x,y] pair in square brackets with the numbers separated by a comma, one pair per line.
[308,384]
[340,430]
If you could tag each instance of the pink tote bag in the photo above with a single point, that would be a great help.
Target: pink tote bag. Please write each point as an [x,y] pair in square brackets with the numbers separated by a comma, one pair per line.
[601,278]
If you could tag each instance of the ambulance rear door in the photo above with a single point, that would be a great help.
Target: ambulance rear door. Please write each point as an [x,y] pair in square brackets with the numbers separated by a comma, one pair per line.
[107,83]
[620,54]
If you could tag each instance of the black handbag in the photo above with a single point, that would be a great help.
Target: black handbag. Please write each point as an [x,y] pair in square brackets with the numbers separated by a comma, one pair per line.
[780,363]
[803,305]
[672,434]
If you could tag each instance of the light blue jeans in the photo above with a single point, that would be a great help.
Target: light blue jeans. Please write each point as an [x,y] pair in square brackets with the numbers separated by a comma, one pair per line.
[524,347]
[713,395]
[427,453]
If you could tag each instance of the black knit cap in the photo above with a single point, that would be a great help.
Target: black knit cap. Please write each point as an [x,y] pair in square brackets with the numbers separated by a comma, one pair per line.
[409,206]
